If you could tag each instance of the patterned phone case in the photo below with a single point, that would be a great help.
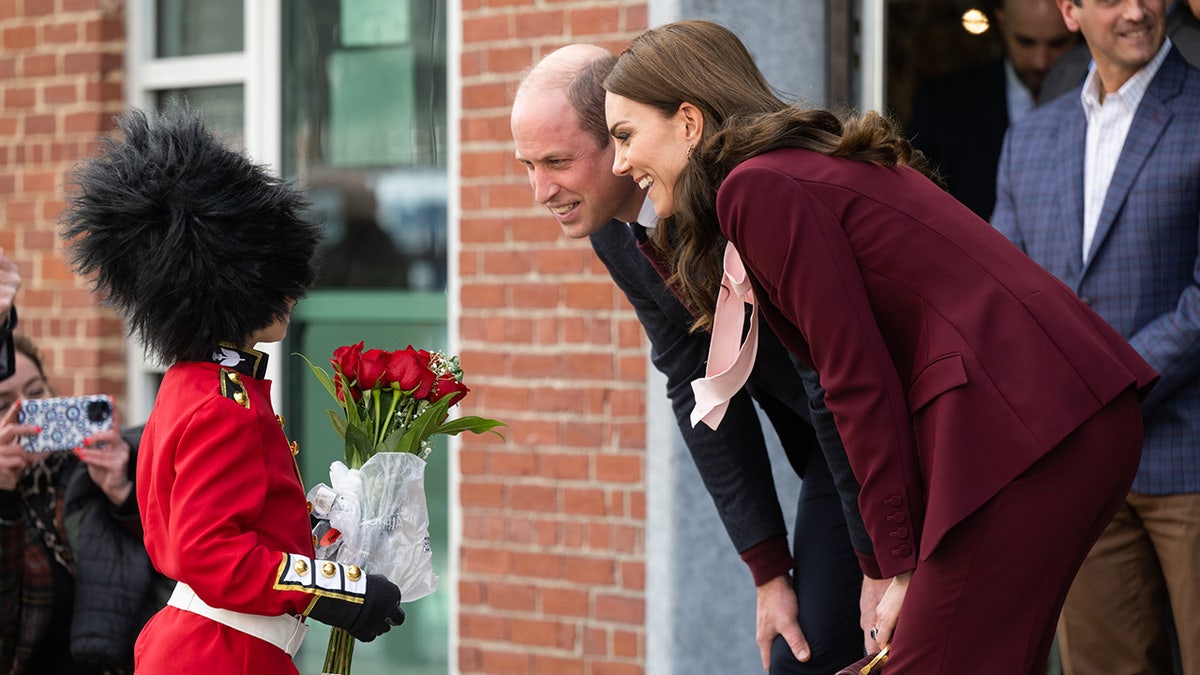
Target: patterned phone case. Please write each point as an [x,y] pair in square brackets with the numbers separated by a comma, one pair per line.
[65,422]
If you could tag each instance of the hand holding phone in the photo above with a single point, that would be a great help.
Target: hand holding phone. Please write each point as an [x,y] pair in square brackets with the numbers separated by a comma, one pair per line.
[13,458]
[107,455]
[65,422]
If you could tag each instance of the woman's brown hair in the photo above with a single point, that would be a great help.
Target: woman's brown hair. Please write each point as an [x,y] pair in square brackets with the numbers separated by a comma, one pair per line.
[23,345]
[705,64]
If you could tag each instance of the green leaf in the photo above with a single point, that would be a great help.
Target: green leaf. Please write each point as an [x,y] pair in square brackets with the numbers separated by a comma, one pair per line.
[391,441]
[352,417]
[423,426]
[476,425]
[359,447]
[339,423]
[323,378]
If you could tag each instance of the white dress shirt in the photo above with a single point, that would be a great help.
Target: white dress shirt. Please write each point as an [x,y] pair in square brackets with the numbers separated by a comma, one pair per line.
[646,217]
[1108,124]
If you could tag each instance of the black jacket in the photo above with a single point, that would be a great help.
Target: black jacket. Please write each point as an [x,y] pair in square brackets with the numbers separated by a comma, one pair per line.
[116,588]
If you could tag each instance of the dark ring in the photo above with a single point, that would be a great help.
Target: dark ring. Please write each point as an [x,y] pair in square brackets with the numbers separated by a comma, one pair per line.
[874,633]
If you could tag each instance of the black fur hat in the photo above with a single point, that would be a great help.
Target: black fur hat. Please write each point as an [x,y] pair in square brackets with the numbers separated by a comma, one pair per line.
[192,242]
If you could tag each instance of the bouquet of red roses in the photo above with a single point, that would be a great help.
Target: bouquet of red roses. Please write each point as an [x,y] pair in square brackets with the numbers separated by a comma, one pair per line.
[393,401]
[375,515]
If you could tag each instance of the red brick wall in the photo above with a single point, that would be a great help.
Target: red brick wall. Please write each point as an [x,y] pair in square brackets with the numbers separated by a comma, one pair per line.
[553,518]
[60,84]
[553,549]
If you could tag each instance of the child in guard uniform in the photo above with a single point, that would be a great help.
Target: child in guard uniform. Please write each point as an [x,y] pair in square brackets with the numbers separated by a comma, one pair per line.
[205,253]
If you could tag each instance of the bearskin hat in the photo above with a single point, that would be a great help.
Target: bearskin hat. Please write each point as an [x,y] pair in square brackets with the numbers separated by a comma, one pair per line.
[192,242]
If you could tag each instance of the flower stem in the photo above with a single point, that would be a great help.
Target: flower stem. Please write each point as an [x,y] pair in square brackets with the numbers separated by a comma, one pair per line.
[377,438]
[339,653]
[389,424]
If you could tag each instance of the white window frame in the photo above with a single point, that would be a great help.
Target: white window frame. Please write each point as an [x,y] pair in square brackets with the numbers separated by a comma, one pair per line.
[873,48]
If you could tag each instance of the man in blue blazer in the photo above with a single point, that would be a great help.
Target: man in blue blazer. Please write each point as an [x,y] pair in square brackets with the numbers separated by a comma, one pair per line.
[1102,188]
[808,599]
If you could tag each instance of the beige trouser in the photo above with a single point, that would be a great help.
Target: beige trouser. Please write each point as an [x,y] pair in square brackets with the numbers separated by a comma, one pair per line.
[1112,623]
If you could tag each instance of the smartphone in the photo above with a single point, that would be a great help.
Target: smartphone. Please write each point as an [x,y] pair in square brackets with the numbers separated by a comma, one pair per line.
[66,422]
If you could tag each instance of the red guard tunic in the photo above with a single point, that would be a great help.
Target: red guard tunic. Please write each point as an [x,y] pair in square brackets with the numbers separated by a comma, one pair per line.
[223,505]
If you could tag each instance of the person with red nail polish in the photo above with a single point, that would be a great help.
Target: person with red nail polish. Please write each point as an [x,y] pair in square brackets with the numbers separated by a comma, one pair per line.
[76,583]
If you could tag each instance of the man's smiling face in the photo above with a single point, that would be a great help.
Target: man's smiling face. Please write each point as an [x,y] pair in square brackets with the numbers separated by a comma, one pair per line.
[569,172]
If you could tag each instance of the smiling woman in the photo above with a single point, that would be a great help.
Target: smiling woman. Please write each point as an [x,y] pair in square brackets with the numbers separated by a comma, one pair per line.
[653,154]
[874,276]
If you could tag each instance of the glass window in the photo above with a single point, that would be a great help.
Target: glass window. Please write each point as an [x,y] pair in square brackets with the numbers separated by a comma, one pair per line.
[192,27]
[364,106]
[222,107]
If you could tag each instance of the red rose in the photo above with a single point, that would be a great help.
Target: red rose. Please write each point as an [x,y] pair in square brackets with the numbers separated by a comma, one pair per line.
[347,360]
[374,365]
[409,370]
[448,385]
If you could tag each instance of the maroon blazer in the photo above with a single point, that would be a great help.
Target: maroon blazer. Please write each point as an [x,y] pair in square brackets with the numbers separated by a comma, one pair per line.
[951,361]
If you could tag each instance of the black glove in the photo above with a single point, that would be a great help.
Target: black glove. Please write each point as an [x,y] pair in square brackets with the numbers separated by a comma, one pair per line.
[379,611]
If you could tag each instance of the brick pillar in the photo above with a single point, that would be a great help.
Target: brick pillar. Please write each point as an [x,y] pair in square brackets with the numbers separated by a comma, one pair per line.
[553,518]
[61,74]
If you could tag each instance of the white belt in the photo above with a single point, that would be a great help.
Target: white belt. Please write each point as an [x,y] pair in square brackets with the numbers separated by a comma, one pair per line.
[284,631]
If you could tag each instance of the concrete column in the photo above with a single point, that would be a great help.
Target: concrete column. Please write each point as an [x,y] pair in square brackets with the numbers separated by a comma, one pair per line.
[787,38]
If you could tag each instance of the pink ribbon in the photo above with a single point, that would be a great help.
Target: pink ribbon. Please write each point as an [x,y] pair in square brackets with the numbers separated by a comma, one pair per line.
[729,359]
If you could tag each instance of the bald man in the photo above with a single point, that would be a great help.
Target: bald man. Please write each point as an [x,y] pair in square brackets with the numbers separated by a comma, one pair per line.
[959,120]
[808,618]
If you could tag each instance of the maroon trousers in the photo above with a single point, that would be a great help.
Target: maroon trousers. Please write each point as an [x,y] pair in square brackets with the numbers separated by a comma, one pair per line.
[986,601]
